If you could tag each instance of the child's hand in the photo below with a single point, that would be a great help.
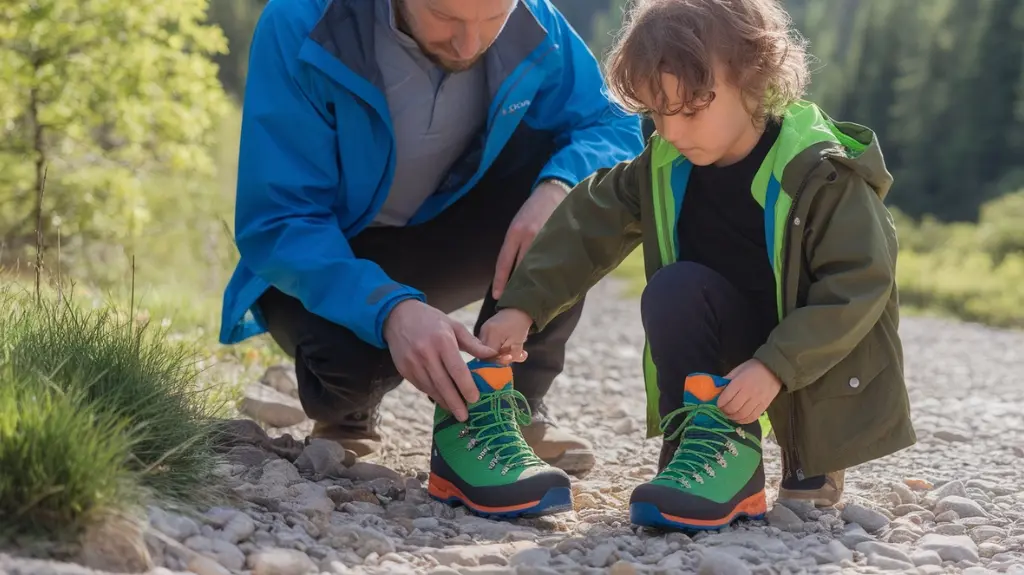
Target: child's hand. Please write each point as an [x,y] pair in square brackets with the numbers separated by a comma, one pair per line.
[751,391]
[506,332]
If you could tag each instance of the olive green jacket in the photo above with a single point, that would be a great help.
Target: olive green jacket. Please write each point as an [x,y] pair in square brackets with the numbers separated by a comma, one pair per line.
[833,246]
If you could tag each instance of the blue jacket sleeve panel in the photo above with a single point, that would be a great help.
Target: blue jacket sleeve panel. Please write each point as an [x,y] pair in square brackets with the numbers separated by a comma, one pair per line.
[593,132]
[288,180]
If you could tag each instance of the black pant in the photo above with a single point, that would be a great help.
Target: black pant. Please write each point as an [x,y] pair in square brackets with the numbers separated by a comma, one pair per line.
[696,321]
[451,259]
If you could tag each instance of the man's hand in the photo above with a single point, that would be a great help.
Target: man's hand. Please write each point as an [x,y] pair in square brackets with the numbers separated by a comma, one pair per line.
[506,332]
[751,391]
[425,344]
[524,227]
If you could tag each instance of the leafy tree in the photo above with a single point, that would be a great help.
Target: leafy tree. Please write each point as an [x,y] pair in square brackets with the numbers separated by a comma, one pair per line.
[237,18]
[100,95]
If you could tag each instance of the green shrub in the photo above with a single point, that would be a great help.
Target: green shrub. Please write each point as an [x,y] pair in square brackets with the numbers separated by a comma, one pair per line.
[127,371]
[61,460]
[968,286]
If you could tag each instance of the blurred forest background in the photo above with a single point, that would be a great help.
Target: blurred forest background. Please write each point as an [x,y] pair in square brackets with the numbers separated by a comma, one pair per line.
[130,111]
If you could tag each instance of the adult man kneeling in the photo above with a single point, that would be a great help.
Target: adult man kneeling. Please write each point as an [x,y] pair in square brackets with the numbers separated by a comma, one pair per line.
[397,158]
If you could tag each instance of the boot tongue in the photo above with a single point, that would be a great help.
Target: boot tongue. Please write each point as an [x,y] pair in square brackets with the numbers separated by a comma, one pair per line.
[704,389]
[491,377]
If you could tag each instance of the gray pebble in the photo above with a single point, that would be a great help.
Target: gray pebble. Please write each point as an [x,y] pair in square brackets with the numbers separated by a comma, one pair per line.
[872,521]
[718,563]
[963,506]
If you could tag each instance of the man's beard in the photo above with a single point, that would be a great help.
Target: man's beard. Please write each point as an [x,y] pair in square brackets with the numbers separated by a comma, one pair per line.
[449,66]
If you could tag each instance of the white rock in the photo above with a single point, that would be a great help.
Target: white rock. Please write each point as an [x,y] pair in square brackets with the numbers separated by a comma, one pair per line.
[365,471]
[925,557]
[877,548]
[279,473]
[784,518]
[532,556]
[322,456]
[281,562]
[951,436]
[833,552]
[311,500]
[601,555]
[718,563]
[905,493]
[888,563]
[219,516]
[425,523]
[955,487]
[272,407]
[225,553]
[282,378]
[239,528]
[175,526]
[872,521]
[950,547]
[623,426]
[203,565]
[469,555]
[983,533]
[963,506]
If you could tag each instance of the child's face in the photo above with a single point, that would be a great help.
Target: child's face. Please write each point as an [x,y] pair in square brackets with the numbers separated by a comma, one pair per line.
[722,133]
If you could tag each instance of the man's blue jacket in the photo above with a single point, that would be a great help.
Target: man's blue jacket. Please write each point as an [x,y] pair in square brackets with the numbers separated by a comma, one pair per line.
[317,152]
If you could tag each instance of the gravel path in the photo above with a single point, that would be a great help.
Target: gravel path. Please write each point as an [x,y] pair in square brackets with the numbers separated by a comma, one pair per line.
[954,503]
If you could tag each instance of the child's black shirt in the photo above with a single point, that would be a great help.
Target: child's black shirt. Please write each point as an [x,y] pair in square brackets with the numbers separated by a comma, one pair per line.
[722,227]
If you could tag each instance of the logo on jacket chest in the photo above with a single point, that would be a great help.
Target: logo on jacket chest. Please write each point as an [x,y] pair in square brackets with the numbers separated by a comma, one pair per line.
[519,106]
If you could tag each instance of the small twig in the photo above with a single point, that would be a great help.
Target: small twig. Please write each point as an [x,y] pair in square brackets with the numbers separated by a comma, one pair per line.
[39,236]
[131,308]
[60,286]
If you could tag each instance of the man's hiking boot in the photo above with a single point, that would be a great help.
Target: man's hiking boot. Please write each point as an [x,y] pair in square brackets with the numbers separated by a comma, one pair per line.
[716,475]
[357,432]
[821,490]
[556,446]
[484,463]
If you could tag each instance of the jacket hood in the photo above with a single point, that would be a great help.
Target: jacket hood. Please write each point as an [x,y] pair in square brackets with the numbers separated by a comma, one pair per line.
[809,134]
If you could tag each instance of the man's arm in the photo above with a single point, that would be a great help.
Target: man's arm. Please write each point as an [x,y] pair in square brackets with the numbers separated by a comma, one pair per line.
[853,261]
[592,132]
[288,179]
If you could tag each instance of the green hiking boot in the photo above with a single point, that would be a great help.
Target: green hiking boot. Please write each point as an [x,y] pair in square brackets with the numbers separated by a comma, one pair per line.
[484,463]
[716,475]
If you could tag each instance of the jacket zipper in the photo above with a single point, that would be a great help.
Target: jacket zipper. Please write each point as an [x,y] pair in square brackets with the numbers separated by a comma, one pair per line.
[793,455]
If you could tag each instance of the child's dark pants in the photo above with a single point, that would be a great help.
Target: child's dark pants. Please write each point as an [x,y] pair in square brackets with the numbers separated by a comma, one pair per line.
[696,321]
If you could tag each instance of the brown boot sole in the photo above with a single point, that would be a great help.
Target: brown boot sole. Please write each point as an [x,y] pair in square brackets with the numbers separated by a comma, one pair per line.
[362,447]
[818,497]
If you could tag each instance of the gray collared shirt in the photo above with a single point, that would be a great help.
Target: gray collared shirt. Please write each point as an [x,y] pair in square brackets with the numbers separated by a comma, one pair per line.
[435,116]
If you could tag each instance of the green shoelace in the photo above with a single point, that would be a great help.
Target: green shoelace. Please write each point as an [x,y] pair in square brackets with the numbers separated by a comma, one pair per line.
[701,445]
[494,424]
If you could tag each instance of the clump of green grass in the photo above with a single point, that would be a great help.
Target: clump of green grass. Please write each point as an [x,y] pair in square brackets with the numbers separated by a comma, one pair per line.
[152,427]
[61,460]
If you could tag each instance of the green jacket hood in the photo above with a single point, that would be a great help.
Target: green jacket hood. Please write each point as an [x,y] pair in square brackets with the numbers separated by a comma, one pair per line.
[812,134]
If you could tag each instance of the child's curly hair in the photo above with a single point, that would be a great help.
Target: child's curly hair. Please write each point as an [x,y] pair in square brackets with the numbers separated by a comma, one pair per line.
[765,59]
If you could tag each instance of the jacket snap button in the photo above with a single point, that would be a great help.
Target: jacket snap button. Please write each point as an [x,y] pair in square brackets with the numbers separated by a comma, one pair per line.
[796,221]
[854,382]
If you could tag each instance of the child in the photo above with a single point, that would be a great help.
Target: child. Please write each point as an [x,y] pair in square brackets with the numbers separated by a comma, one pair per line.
[771,286]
